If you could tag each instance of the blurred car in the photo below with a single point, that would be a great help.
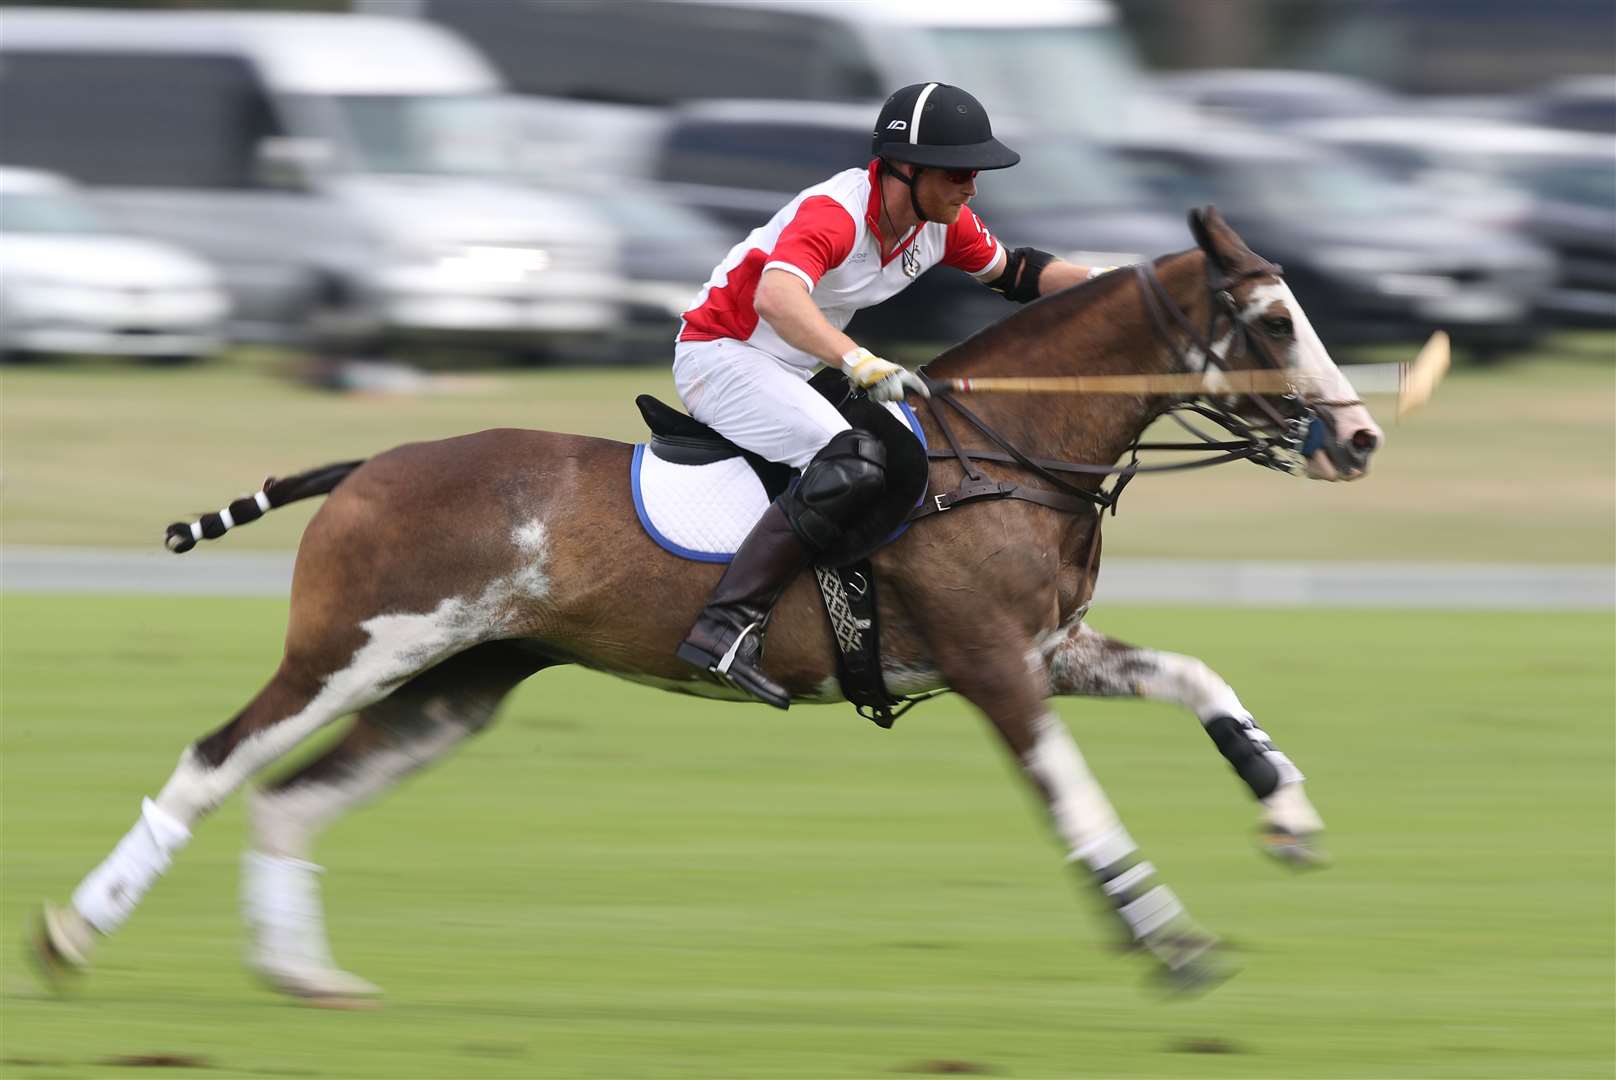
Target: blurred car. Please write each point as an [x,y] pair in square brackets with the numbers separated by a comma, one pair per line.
[1064,65]
[1271,96]
[1556,187]
[350,176]
[1370,260]
[71,284]
[741,161]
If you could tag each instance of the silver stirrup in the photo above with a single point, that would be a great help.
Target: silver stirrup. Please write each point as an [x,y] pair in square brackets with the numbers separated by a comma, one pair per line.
[725,661]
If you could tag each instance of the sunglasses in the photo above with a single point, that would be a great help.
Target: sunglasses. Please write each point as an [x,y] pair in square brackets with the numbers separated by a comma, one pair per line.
[959,176]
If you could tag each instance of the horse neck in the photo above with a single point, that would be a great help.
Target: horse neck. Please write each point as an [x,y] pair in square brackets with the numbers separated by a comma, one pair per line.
[1099,328]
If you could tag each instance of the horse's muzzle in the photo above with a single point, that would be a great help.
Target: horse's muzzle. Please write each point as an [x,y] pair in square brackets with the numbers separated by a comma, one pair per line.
[1346,458]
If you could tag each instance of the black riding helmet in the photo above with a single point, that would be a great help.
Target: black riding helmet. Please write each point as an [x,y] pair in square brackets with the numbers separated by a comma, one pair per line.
[938,126]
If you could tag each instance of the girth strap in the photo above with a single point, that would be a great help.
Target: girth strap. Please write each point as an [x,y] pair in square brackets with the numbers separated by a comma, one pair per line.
[987,488]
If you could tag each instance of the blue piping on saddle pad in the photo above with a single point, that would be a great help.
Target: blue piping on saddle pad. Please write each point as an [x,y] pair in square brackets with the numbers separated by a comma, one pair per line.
[725,556]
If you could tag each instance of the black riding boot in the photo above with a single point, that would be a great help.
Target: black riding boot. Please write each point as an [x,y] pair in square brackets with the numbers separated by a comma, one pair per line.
[728,636]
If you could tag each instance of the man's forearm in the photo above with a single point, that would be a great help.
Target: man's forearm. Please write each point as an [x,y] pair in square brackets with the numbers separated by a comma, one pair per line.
[791,313]
[1061,274]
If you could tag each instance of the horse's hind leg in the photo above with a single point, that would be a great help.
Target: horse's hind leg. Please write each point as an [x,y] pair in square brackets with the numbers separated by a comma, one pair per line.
[307,692]
[416,725]
[1085,662]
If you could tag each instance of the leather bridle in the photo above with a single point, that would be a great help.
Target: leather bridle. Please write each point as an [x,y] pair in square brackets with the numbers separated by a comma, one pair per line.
[1283,439]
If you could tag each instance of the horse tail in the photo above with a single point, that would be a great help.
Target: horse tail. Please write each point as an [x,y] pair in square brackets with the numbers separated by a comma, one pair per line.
[182,536]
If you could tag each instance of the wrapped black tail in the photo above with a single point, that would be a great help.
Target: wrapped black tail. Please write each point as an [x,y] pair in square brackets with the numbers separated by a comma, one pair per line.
[182,536]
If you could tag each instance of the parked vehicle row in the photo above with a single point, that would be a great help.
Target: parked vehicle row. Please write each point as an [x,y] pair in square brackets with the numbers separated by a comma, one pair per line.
[70,283]
[367,184]
[352,179]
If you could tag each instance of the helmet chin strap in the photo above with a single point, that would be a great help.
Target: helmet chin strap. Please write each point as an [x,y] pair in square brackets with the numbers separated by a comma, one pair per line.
[908,182]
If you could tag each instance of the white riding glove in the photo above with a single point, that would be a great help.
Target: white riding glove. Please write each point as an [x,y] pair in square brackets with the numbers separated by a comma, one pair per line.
[882,379]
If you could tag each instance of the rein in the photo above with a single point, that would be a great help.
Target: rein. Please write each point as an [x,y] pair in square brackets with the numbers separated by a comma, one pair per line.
[1295,434]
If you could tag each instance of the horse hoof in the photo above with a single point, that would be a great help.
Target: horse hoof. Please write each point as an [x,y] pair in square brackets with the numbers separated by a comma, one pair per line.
[59,945]
[1299,851]
[1199,975]
[325,988]
[1191,963]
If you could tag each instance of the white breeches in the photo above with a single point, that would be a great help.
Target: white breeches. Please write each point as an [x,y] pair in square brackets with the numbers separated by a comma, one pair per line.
[754,400]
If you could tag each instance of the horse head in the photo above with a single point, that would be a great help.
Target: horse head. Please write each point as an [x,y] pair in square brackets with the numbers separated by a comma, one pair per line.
[1268,328]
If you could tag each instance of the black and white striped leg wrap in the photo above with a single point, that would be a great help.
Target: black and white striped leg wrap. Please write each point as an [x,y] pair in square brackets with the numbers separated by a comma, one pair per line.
[1252,754]
[1145,906]
[182,536]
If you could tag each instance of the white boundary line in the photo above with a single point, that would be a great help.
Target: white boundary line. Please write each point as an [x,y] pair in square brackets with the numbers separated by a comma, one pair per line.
[1496,586]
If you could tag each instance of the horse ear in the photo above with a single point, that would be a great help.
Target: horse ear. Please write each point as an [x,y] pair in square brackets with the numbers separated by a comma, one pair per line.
[1204,220]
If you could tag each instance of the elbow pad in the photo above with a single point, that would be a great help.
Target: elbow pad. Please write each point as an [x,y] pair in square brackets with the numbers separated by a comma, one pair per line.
[1022,268]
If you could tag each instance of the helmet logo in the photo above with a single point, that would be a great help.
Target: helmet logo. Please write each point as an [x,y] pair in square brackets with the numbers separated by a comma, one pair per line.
[898,125]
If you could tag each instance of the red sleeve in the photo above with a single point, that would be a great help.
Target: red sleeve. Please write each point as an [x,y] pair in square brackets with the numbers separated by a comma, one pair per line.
[970,247]
[819,237]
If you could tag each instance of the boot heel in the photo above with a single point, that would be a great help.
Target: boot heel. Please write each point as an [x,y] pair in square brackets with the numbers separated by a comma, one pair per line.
[696,656]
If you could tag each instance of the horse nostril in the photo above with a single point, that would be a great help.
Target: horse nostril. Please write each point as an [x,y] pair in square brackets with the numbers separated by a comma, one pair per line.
[1364,441]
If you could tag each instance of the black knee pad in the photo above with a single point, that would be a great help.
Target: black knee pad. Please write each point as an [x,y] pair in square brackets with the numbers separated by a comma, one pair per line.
[843,480]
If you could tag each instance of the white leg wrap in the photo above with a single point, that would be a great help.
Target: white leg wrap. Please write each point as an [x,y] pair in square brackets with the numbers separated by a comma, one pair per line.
[280,901]
[112,890]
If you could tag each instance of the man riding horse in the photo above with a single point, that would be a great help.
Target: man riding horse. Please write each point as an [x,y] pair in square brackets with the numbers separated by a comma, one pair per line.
[775,309]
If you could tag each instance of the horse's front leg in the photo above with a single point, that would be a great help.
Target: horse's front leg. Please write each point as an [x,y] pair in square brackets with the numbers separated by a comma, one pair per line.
[1083,661]
[1008,685]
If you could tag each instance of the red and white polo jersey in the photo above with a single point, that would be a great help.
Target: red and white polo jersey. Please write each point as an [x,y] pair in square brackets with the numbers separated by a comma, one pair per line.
[828,236]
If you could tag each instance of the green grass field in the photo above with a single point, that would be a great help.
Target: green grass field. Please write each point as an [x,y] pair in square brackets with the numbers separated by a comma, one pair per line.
[615,883]
[1510,464]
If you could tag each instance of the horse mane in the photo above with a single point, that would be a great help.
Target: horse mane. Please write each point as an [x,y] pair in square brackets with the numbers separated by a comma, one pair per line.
[1010,335]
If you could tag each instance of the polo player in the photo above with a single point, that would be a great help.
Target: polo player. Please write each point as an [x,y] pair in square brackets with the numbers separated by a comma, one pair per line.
[777,307]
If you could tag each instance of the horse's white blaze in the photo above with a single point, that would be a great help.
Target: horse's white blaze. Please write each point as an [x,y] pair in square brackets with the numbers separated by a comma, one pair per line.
[1317,375]
[1083,817]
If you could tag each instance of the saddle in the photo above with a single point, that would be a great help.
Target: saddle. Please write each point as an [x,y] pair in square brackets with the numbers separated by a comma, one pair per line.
[846,580]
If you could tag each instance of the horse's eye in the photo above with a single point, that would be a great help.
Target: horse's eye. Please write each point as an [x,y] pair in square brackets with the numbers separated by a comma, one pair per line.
[1278,326]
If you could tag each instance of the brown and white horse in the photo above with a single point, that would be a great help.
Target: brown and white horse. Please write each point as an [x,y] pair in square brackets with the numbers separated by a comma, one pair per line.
[437,576]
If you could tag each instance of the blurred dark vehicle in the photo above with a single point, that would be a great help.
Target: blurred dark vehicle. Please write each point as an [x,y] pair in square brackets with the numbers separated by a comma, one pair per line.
[1368,259]
[1556,187]
[1578,103]
[70,284]
[740,161]
[1061,64]
[350,176]
[605,154]
[1263,96]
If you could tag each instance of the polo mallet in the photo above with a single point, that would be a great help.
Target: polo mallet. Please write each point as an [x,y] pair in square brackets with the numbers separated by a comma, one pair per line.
[1415,383]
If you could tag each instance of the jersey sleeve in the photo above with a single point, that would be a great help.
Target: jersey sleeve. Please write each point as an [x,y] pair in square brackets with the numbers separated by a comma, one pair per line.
[969,246]
[819,237]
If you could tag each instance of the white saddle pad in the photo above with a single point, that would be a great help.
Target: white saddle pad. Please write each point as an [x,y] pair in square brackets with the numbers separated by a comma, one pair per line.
[703,512]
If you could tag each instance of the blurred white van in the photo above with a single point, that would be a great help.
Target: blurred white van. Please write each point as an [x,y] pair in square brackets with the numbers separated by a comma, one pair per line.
[352,177]
[1058,65]
[71,284]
